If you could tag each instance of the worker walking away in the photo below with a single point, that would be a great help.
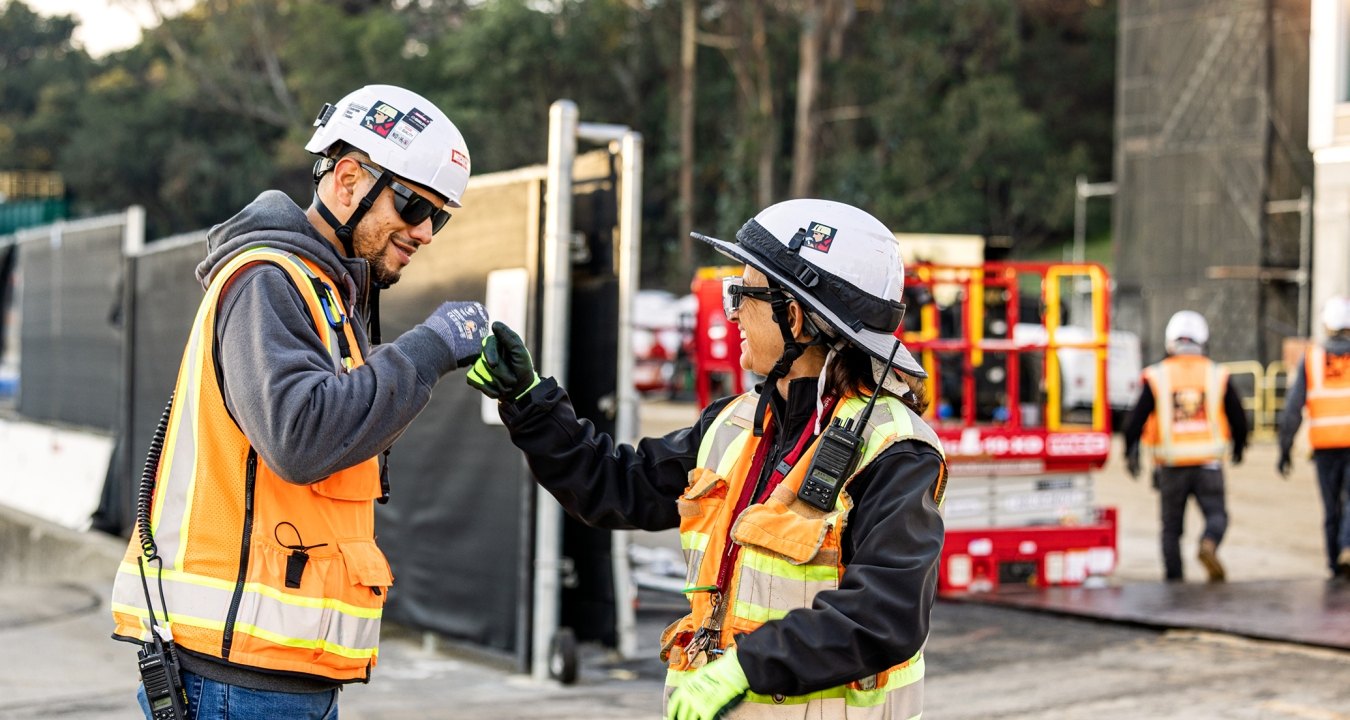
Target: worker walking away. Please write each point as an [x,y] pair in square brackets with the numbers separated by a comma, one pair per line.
[808,508]
[256,526]
[1321,385]
[1189,415]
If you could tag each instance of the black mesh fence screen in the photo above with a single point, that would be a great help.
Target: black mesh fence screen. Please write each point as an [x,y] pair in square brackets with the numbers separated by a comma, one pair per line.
[70,364]
[1212,126]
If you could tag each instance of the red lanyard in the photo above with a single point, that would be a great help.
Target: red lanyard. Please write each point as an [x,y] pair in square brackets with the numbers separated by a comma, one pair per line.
[752,478]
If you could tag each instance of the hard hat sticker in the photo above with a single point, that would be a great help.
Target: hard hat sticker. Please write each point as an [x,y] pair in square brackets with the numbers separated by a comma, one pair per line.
[409,128]
[354,109]
[381,119]
[819,236]
[459,159]
[417,119]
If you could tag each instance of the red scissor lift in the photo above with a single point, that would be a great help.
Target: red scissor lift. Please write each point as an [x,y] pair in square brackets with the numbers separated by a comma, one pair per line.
[996,345]
[716,341]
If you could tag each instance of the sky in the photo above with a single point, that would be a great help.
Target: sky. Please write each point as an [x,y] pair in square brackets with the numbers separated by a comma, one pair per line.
[105,25]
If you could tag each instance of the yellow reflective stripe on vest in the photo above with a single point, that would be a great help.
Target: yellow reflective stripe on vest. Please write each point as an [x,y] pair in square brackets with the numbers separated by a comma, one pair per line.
[203,601]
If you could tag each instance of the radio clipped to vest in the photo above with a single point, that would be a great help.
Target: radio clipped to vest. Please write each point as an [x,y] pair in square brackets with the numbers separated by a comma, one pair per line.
[841,446]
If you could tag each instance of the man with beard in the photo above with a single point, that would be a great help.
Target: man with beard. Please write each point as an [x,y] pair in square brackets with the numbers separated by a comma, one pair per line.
[263,507]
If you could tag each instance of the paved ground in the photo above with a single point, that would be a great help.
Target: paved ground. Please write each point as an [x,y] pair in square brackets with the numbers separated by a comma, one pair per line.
[984,661]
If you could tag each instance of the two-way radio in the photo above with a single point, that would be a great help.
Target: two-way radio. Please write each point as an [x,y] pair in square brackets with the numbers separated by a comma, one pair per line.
[157,659]
[162,678]
[837,455]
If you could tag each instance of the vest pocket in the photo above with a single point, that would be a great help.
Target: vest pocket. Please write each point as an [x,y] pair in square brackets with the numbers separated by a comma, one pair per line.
[706,493]
[786,559]
[675,637]
[367,566]
[699,507]
[361,482]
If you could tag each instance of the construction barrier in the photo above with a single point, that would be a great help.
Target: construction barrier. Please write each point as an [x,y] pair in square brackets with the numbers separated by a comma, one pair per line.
[1262,391]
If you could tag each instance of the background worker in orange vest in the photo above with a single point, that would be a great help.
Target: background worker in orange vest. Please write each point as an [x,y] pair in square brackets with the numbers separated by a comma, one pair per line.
[263,506]
[1322,385]
[812,561]
[1189,414]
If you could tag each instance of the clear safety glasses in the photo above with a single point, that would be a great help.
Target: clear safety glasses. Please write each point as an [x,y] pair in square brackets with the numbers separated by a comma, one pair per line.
[412,206]
[734,290]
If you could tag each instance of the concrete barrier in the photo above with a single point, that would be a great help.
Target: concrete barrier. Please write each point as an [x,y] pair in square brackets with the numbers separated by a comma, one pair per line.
[54,472]
[34,550]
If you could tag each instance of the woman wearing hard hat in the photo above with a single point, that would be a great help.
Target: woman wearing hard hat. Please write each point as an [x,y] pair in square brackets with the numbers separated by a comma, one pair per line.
[808,509]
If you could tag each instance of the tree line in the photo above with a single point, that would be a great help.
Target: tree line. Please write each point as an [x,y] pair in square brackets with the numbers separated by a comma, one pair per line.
[962,116]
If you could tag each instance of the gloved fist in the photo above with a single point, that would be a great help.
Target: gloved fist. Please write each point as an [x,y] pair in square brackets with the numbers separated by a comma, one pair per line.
[1285,465]
[462,325]
[710,690]
[1132,463]
[504,371]
[1237,457]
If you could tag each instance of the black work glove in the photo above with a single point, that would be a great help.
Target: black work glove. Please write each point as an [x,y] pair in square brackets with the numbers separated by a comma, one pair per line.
[1132,462]
[1237,456]
[504,371]
[1285,465]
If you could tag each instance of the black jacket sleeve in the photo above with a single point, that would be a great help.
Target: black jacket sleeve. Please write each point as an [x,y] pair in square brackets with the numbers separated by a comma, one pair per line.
[878,617]
[1237,420]
[1291,417]
[1134,423]
[597,481]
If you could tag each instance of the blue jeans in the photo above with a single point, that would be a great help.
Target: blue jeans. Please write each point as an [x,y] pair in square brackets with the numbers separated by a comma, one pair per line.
[210,700]
[1333,477]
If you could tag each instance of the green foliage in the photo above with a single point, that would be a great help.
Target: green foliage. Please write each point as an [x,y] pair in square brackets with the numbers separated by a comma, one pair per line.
[40,78]
[968,116]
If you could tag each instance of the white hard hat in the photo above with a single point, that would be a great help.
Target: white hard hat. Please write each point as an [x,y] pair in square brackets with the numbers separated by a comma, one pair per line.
[1186,326]
[402,132]
[1336,313]
[840,262]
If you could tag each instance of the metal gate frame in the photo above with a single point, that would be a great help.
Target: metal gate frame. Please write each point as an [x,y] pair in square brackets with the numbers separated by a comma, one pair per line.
[565,130]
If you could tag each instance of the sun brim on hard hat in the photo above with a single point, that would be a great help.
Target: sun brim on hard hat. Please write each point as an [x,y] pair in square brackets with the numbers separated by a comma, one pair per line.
[877,344]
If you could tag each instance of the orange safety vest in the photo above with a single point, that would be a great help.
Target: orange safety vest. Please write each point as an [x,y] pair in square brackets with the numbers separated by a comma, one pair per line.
[1188,425]
[790,551]
[227,525]
[1328,401]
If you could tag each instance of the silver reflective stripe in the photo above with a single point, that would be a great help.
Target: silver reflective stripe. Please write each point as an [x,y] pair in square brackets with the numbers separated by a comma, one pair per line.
[771,587]
[179,461]
[263,611]
[715,450]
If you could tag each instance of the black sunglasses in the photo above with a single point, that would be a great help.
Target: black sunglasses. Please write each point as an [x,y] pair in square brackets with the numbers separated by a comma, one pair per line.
[734,291]
[412,206]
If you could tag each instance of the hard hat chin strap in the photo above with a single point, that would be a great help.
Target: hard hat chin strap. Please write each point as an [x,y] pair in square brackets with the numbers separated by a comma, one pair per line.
[344,230]
[344,233]
[792,349]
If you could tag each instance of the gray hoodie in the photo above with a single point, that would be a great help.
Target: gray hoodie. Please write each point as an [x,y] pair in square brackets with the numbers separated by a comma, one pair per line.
[305,420]
[1297,393]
